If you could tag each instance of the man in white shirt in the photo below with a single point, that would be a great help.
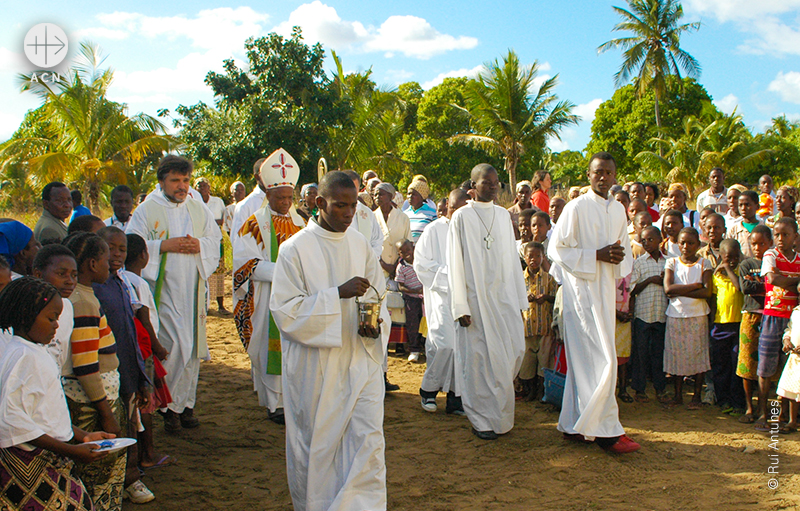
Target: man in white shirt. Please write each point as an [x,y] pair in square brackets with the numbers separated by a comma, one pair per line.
[122,204]
[717,195]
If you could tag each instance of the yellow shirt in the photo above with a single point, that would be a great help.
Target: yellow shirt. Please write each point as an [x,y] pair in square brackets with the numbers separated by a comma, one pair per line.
[730,301]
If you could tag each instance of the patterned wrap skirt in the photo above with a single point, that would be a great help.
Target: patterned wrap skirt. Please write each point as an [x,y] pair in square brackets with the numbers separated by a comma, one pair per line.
[40,480]
[749,332]
[104,479]
[686,349]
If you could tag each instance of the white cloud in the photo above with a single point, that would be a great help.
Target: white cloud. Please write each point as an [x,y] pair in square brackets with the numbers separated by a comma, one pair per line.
[738,10]
[100,33]
[787,85]
[321,23]
[9,123]
[557,145]
[587,110]
[408,35]
[727,104]
[12,61]
[398,76]
[187,75]
[775,24]
[222,29]
[458,73]
[415,37]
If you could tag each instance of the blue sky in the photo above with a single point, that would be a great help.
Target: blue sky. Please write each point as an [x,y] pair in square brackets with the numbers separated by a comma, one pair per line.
[161,51]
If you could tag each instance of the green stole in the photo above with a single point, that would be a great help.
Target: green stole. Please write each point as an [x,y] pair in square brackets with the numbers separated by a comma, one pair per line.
[274,335]
[158,229]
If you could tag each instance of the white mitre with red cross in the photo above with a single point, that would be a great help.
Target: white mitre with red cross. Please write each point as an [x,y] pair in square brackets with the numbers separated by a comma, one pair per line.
[279,170]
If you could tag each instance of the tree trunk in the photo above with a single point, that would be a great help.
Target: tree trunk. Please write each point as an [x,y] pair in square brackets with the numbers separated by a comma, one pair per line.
[511,167]
[658,124]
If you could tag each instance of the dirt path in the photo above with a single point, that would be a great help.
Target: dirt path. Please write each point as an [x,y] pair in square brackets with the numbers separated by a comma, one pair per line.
[689,460]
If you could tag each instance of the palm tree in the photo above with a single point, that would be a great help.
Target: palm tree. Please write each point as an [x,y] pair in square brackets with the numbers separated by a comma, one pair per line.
[653,52]
[368,136]
[509,115]
[81,136]
[712,140]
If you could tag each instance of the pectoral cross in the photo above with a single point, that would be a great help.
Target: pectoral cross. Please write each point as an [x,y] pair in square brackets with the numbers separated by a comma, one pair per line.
[489,240]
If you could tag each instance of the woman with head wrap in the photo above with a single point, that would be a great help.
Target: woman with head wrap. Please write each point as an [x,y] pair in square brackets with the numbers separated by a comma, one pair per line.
[677,195]
[421,210]
[422,182]
[308,202]
[522,201]
[18,246]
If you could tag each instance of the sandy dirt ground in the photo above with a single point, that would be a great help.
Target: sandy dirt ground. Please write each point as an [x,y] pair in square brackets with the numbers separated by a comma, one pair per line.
[689,459]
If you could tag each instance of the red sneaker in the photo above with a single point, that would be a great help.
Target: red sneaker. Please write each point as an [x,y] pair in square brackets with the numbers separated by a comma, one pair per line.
[623,446]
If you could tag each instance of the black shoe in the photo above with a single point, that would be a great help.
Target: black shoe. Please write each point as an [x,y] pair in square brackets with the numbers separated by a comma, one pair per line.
[485,435]
[390,387]
[172,422]
[454,405]
[277,417]
[188,420]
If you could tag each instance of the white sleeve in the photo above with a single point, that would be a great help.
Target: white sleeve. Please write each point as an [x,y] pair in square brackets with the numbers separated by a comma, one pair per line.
[564,247]
[313,320]
[457,278]
[768,263]
[138,225]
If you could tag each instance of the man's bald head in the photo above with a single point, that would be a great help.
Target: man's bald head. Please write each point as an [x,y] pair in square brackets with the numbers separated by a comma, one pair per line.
[353,177]
[257,167]
[480,170]
[455,200]
[333,181]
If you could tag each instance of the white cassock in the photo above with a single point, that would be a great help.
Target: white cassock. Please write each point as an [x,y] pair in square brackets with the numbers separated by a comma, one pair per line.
[430,264]
[487,285]
[333,385]
[254,264]
[365,222]
[178,282]
[586,225]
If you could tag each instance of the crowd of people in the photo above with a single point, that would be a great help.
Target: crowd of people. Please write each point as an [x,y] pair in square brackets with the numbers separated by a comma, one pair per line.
[571,300]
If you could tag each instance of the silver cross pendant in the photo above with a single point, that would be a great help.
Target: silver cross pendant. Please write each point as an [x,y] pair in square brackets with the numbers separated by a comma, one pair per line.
[489,240]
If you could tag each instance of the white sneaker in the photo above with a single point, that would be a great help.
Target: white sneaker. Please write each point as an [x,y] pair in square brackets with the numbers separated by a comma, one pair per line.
[414,357]
[138,493]
[429,404]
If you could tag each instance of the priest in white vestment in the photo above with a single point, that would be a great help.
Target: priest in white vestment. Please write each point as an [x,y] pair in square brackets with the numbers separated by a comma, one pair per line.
[250,204]
[591,247]
[183,242]
[255,250]
[430,264]
[333,386]
[488,296]
[365,222]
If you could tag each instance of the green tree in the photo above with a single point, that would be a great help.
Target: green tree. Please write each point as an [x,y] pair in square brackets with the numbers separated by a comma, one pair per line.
[368,135]
[282,99]
[507,119]
[426,148]
[623,124]
[78,135]
[711,140]
[652,52]
[568,168]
